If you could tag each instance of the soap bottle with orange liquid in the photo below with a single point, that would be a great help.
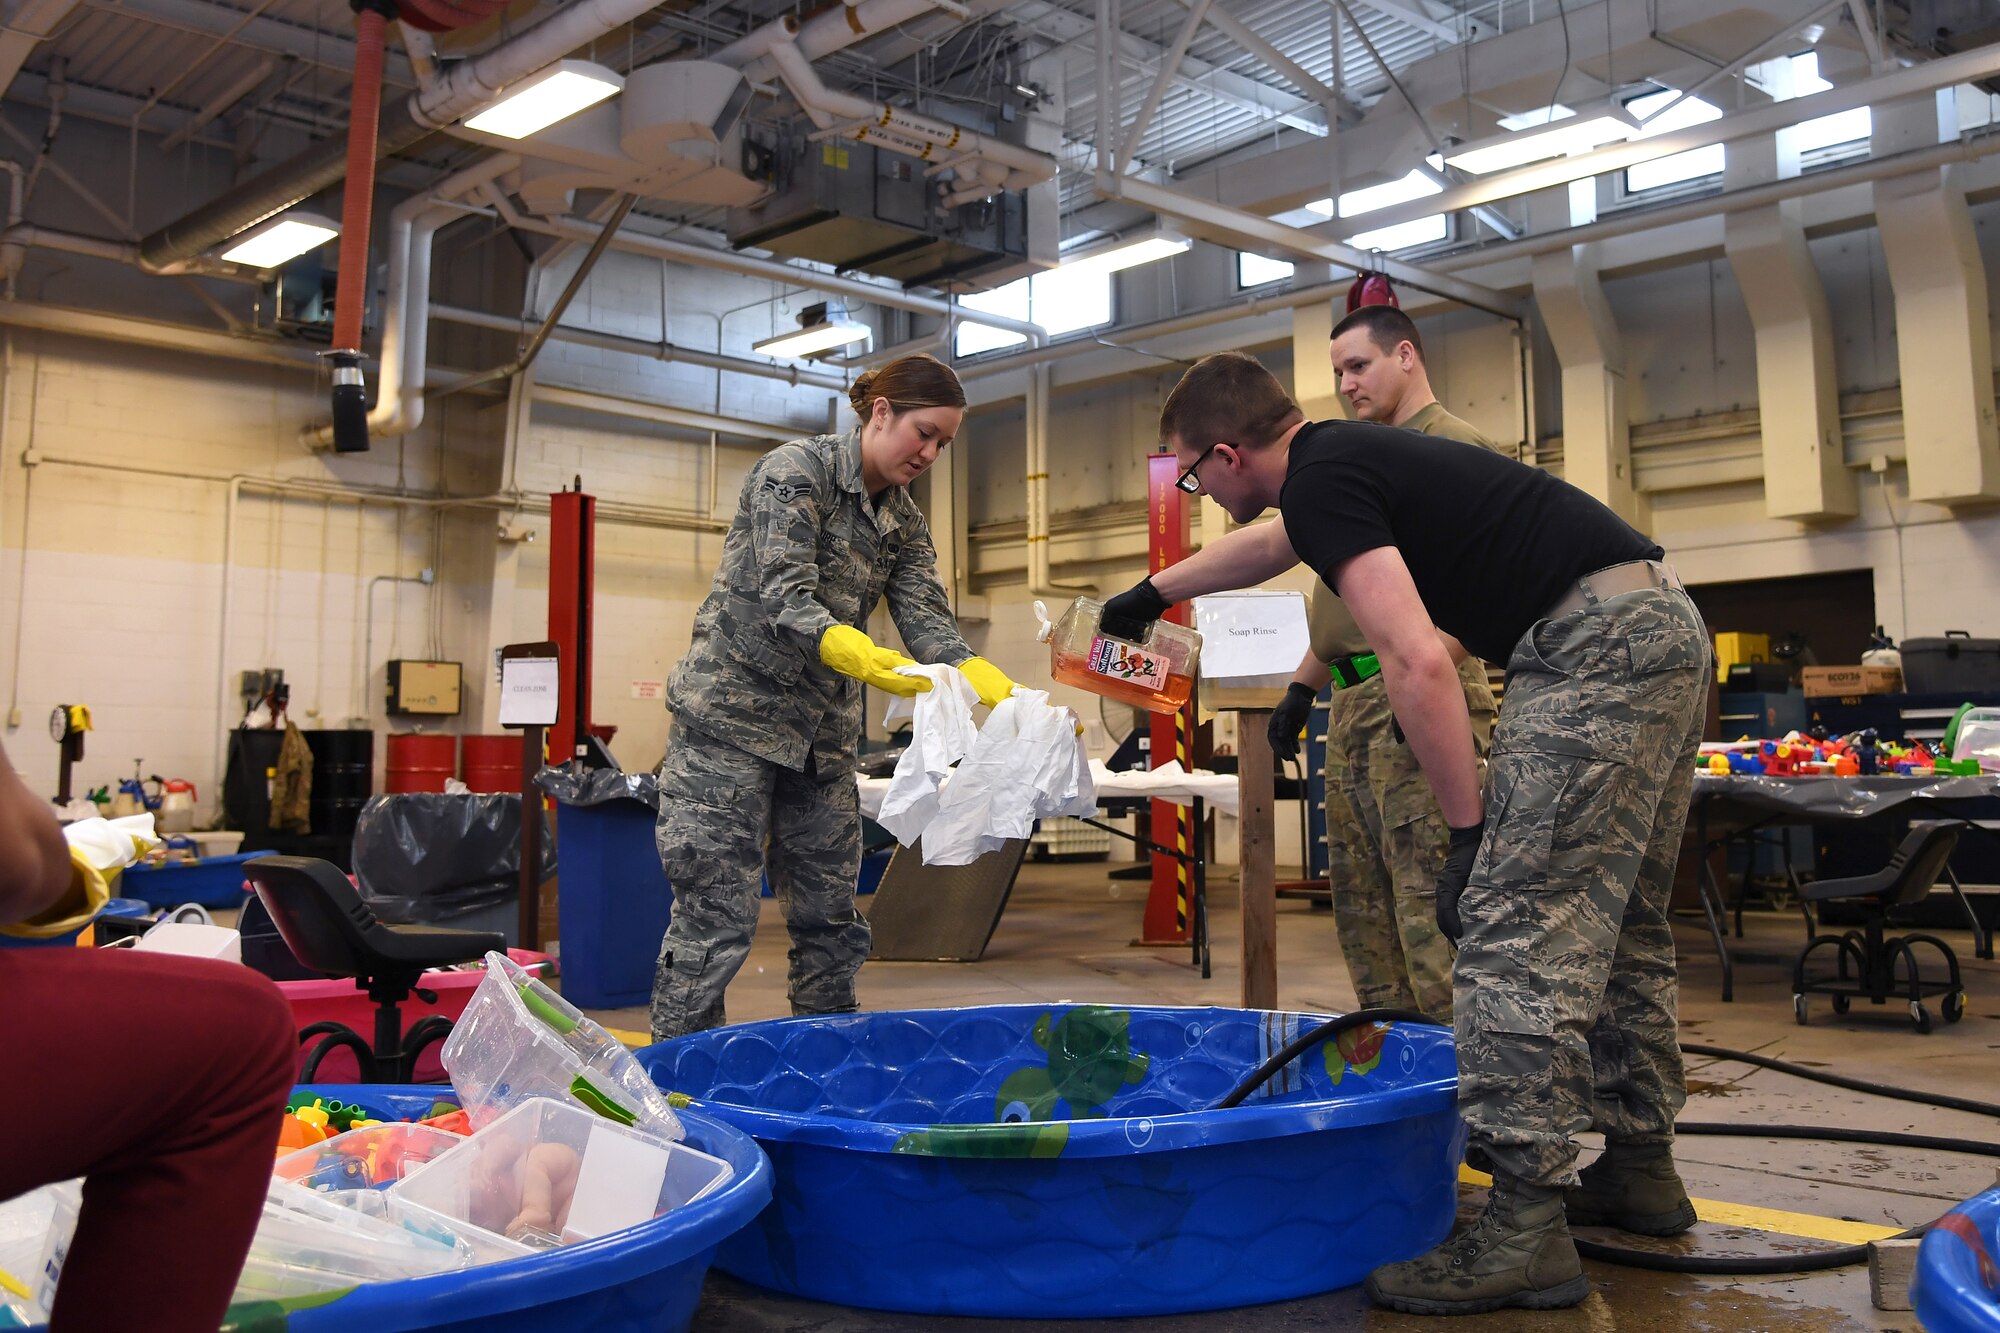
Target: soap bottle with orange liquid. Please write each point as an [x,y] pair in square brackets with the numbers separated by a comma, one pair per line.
[1155,673]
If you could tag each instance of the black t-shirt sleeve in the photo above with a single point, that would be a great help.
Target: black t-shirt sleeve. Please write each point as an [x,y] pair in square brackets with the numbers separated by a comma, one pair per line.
[1333,513]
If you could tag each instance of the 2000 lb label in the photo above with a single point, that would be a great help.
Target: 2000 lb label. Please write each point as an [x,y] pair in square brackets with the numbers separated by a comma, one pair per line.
[1121,661]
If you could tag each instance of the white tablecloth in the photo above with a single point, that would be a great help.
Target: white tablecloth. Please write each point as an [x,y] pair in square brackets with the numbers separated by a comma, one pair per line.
[1169,782]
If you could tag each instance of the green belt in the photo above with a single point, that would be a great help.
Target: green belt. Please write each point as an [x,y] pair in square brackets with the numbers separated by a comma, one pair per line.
[1352,670]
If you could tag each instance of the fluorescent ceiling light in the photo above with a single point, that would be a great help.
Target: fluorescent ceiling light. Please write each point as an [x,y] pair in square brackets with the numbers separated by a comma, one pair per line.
[283,238]
[821,337]
[1558,138]
[1124,255]
[545,97]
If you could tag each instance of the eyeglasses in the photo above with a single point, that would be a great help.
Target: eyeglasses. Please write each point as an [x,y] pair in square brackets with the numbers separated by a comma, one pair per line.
[1187,481]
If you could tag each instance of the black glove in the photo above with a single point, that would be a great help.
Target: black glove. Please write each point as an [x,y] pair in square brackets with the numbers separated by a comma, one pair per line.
[1288,719]
[1129,614]
[1451,880]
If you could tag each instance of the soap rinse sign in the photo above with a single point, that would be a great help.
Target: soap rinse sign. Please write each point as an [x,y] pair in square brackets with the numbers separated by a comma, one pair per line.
[1251,634]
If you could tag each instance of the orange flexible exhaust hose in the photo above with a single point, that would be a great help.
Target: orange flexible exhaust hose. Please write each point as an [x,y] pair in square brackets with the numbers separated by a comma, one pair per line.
[350,398]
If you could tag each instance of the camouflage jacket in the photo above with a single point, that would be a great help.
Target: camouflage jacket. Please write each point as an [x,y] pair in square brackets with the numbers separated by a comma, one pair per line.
[807,550]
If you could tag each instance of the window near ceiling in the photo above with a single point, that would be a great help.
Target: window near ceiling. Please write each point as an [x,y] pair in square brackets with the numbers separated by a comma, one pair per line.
[1060,302]
[1358,203]
[1976,107]
[1826,138]
[1255,270]
[1657,114]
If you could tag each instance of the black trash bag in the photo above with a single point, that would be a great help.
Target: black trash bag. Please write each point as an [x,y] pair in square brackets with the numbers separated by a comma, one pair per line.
[423,858]
[573,784]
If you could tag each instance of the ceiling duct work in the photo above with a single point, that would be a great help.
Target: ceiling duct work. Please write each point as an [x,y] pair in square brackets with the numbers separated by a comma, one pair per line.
[880,189]
[674,134]
[1950,26]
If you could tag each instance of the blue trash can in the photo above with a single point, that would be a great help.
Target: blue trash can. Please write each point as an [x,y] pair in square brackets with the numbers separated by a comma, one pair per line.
[614,901]
[613,904]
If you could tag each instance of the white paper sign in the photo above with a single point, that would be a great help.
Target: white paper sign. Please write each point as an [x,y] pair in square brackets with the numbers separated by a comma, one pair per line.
[1251,636]
[617,1186]
[529,689]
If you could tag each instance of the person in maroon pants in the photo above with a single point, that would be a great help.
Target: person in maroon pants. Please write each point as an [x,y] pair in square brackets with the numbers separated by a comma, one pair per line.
[157,1079]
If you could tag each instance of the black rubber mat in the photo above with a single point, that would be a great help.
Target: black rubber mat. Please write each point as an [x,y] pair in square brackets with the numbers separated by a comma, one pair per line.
[941,914]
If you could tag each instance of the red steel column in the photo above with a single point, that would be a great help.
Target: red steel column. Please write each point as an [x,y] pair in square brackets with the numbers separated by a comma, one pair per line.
[1167,542]
[572,568]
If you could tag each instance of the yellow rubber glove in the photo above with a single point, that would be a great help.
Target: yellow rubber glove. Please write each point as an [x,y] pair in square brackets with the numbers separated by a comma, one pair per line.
[989,680]
[852,653]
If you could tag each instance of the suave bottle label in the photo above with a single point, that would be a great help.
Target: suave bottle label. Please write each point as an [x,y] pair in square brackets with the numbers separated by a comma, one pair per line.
[1122,661]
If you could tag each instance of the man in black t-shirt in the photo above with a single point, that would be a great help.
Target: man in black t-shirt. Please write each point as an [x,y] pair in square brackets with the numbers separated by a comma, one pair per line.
[1556,886]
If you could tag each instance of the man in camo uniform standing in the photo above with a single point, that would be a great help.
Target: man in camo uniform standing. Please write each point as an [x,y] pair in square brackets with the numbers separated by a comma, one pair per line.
[1556,885]
[759,772]
[1385,837]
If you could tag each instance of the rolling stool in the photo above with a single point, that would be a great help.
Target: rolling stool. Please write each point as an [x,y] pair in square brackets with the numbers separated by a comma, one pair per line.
[324,922]
[1907,879]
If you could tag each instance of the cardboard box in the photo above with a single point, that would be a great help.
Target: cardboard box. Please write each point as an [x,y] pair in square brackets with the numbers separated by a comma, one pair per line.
[1731,647]
[1834,682]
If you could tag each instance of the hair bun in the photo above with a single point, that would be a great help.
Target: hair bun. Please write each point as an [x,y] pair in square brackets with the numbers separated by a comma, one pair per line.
[857,392]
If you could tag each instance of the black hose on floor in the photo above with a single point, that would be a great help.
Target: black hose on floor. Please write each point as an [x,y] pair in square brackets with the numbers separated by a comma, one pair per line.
[1839,1256]
[1840,1081]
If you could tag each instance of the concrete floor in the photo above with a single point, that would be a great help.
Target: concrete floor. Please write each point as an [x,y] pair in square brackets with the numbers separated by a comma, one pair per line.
[1065,936]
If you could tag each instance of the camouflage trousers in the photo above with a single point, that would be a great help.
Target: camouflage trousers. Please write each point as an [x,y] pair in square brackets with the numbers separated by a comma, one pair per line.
[726,819]
[1565,985]
[1385,840]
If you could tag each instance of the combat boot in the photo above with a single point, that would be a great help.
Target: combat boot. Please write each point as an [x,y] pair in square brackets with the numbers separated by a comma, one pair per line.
[1633,1187]
[1517,1253]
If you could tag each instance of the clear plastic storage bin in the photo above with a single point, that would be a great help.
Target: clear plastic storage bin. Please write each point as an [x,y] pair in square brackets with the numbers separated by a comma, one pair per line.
[307,1242]
[35,1231]
[518,1039]
[1155,673]
[1979,738]
[550,1173]
[372,1158]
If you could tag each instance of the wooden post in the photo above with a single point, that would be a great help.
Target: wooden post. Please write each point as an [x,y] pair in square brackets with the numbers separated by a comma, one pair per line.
[1256,858]
[531,839]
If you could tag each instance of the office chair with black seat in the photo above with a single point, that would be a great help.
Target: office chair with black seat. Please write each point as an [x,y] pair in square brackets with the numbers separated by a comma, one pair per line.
[329,928]
[1907,879]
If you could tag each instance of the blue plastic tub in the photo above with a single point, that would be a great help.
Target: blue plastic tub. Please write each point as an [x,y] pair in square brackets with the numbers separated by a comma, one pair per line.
[1956,1288]
[1044,1162]
[646,1279]
[213,881]
[643,1280]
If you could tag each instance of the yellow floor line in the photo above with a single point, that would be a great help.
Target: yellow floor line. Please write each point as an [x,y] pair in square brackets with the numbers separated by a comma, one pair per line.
[1809,1226]
[633,1039]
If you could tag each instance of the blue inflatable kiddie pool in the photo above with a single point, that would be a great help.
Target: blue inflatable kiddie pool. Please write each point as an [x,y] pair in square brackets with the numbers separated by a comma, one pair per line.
[646,1279]
[1060,1162]
[1957,1284]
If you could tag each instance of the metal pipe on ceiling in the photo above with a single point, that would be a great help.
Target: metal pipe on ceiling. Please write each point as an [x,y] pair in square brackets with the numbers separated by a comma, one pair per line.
[658,351]
[549,322]
[1967,67]
[749,266]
